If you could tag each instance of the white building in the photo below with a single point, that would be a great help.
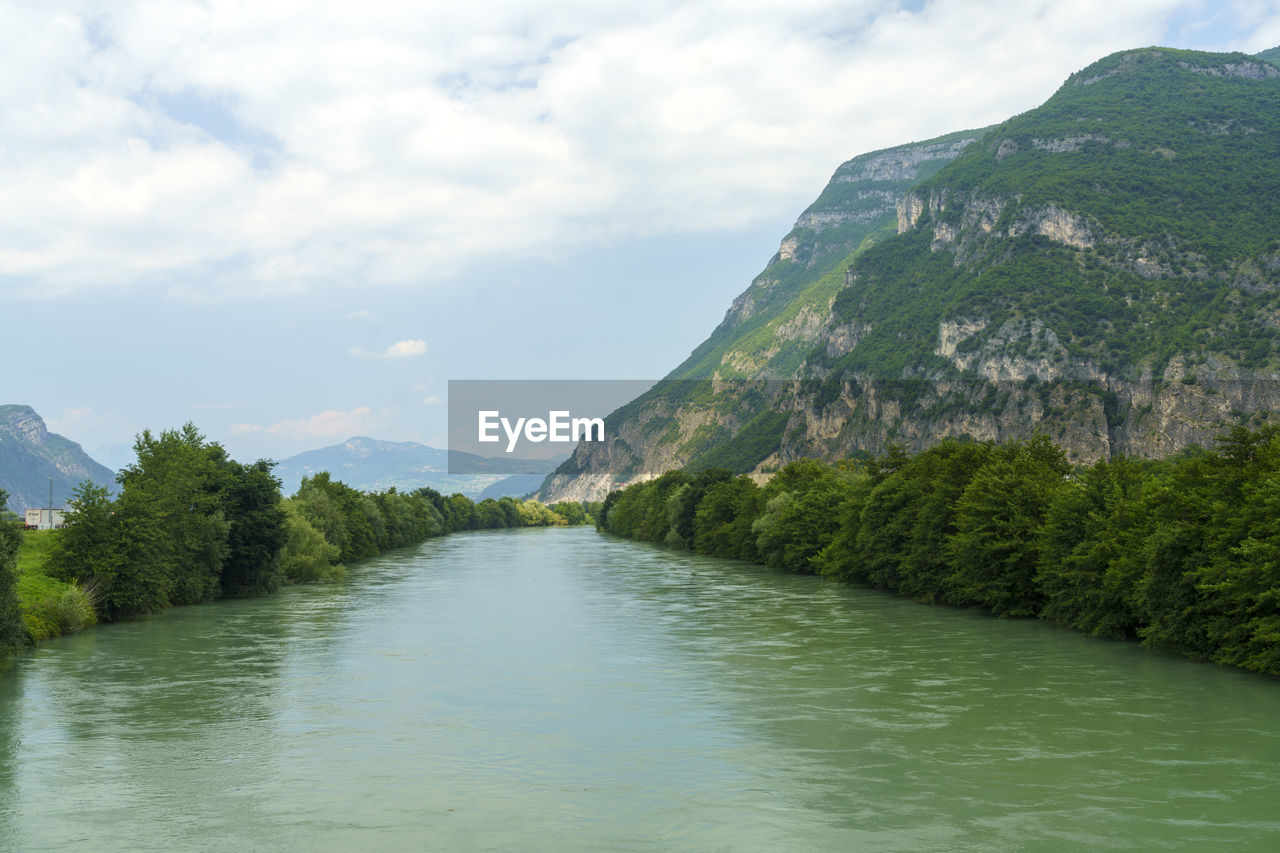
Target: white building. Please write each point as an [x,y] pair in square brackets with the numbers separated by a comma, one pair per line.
[44,519]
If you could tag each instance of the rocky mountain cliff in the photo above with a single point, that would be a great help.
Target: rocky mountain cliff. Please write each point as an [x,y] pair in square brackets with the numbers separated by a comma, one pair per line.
[1104,269]
[30,455]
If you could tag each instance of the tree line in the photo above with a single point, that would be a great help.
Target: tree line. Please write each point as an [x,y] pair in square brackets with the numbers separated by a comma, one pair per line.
[1182,553]
[191,525]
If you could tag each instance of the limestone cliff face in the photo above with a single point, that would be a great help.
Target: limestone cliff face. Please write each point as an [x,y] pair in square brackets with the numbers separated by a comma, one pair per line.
[1101,269]
[1020,381]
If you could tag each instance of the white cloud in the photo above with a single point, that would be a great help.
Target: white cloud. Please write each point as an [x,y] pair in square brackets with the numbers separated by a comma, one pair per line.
[327,424]
[72,421]
[92,427]
[400,349]
[432,400]
[227,148]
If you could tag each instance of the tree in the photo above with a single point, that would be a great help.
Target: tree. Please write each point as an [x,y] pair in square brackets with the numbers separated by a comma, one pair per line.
[995,550]
[306,556]
[572,512]
[654,522]
[682,505]
[1092,534]
[171,503]
[803,515]
[341,514]
[1238,583]
[722,522]
[89,549]
[251,505]
[12,634]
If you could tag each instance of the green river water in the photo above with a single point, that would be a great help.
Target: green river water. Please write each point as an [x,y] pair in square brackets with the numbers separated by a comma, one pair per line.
[558,689]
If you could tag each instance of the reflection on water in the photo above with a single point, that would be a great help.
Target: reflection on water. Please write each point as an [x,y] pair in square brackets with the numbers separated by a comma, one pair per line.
[558,689]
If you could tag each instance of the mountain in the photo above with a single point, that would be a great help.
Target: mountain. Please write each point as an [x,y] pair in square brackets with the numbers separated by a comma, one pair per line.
[515,486]
[1104,268]
[117,457]
[30,455]
[372,465]
[1272,55]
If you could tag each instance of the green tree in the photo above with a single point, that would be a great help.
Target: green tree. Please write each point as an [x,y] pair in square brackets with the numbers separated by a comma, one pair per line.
[572,512]
[803,514]
[723,520]
[256,533]
[995,550]
[89,550]
[682,505]
[1232,614]
[1092,536]
[307,556]
[170,499]
[12,633]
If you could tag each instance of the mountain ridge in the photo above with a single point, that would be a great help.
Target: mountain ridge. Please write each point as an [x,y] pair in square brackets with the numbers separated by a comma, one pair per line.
[374,465]
[30,456]
[1103,268]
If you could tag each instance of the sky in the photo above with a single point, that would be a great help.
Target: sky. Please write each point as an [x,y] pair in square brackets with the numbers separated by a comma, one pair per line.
[293,222]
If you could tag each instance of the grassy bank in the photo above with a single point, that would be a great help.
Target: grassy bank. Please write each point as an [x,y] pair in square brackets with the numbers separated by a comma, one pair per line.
[49,607]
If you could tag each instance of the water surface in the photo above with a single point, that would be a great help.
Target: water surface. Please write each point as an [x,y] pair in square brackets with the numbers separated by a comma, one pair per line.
[556,689]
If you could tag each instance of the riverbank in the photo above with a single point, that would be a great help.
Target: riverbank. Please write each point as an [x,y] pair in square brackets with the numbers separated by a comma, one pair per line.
[49,607]
[1181,553]
[190,526]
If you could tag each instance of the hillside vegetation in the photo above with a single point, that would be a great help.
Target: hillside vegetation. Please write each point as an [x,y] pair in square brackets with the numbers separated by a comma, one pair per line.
[1104,269]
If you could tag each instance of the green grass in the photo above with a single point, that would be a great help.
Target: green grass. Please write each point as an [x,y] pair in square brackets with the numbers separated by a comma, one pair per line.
[50,607]
[35,549]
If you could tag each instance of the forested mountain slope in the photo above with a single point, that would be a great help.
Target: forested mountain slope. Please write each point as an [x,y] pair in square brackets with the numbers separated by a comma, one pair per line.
[1104,269]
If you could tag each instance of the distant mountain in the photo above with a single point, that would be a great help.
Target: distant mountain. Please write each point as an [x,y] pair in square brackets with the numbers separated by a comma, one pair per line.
[515,486]
[372,465]
[30,455]
[1104,269]
[1272,55]
[115,456]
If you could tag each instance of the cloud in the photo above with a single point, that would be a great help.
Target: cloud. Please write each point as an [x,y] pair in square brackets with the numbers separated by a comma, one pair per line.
[71,420]
[432,400]
[327,424]
[400,349]
[232,149]
[90,427]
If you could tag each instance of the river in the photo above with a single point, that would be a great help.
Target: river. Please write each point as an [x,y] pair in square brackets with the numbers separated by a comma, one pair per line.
[558,689]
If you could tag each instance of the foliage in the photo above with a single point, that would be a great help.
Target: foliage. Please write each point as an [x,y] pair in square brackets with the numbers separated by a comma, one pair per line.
[192,525]
[48,607]
[1183,553]
[11,630]
[307,557]
[51,608]
[755,442]
[1092,544]
[995,549]
[1170,163]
